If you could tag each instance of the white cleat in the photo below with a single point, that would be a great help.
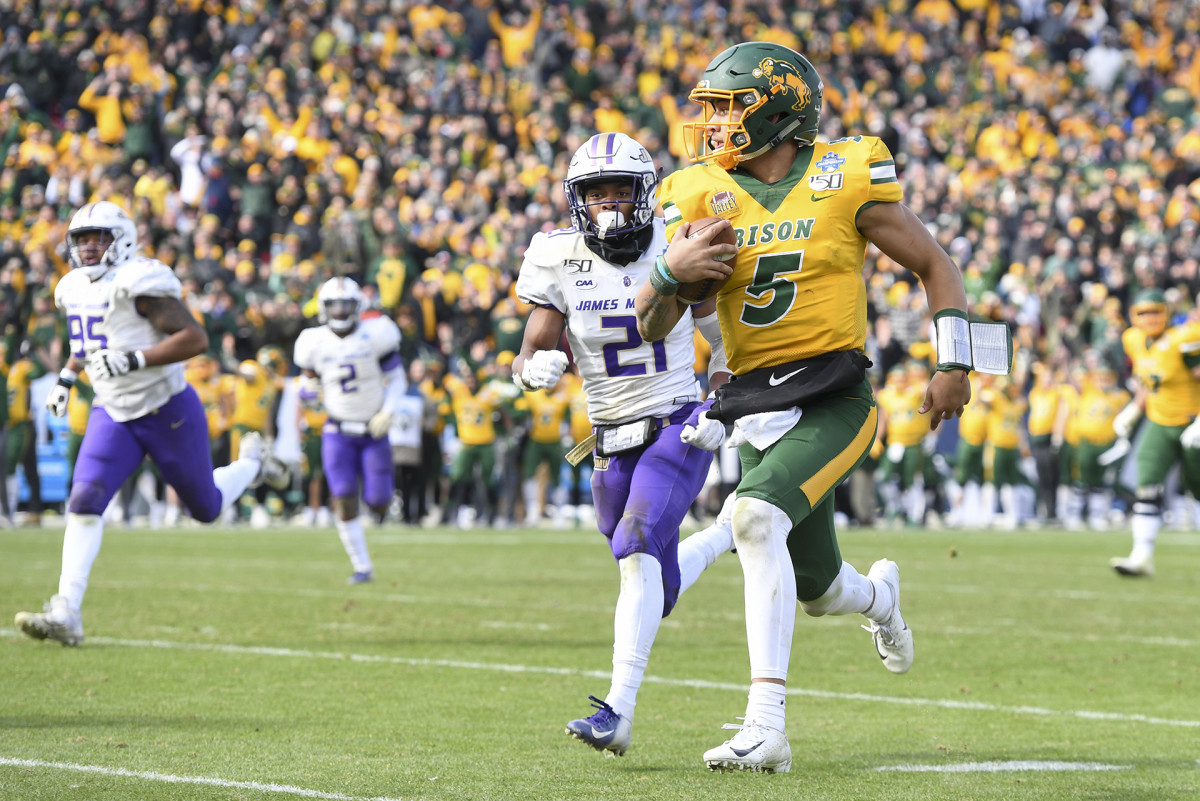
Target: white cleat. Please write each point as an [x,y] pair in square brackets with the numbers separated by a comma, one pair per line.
[1134,568]
[271,468]
[893,638]
[756,748]
[58,622]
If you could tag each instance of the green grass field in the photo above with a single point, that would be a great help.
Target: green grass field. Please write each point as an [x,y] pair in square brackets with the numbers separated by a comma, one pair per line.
[236,664]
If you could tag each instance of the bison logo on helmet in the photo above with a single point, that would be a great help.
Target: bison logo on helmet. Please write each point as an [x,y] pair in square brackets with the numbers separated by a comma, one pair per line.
[785,79]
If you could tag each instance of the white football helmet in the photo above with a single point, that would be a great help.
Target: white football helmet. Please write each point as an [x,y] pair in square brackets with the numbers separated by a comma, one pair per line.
[340,301]
[609,156]
[118,241]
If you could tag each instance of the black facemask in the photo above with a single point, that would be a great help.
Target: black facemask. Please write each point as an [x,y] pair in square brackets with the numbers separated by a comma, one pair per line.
[630,248]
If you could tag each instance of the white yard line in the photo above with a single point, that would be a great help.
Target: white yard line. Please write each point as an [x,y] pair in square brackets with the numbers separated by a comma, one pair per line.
[284,789]
[496,667]
[997,767]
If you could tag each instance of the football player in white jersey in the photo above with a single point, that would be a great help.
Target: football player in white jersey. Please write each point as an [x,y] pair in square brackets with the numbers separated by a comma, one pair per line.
[129,328]
[354,365]
[640,395]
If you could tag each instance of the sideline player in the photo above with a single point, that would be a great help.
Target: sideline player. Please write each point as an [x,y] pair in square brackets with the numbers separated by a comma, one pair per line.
[1166,364]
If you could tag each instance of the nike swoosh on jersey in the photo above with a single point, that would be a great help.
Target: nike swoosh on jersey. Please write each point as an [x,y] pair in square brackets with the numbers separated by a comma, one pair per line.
[743,751]
[816,199]
[178,423]
[773,381]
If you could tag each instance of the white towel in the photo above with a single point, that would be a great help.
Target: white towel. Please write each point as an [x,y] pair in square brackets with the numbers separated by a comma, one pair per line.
[764,429]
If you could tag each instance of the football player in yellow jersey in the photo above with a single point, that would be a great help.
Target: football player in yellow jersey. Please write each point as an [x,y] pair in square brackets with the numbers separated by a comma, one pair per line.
[793,319]
[902,469]
[474,409]
[1006,434]
[22,437]
[1046,423]
[547,413]
[967,506]
[1166,364]
[432,388]
[79,406]
[254,405]
[311,417]
[1099,403]
[574,495]
[203,374]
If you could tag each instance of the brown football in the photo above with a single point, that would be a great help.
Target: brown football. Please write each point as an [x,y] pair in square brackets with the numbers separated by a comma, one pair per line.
[700,291]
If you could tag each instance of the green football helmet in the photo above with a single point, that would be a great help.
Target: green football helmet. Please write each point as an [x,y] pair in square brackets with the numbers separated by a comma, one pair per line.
[780,91]
[1149,312]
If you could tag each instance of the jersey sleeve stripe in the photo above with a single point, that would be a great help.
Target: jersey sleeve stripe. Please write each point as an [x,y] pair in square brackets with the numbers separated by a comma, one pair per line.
[671,213]
[883,172]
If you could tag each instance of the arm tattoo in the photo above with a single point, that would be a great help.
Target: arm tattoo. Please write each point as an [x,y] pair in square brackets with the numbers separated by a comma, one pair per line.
[168,315]
[657,316]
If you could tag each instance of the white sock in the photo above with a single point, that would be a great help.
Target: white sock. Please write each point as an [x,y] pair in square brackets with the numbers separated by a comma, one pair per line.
[914,503]
[767,705]
[354,540]
[635,625]
[700,551]
[1008,504]
[233,478]
[533,509]
[891,498]
[1145,532]
[81,544]
[760,533]
[852,592]
[987,505]
[971,505]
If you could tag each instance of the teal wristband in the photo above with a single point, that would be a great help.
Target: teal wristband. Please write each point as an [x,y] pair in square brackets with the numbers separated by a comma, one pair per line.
[661,284]
[661,264]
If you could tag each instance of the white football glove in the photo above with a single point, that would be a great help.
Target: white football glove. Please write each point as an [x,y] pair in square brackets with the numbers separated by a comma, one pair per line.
[111,363]
[1190,438]
[310,392]
[380,423]
[708,434]
[56,401]
[1123,424]
[895,452]
[543,369]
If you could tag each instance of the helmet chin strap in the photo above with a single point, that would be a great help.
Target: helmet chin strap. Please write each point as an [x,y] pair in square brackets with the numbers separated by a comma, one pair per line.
[607,222]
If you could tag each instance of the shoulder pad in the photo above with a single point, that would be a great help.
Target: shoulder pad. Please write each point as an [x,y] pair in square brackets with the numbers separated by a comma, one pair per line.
[147,277]
[548,249]
[383,331]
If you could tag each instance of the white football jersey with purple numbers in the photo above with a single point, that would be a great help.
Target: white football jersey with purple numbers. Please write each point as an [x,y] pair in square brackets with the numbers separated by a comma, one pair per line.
[352,383]
[102,314]
[624,377]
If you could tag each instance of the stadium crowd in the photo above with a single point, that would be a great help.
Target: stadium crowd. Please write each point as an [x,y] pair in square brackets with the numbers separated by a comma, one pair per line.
[263,147]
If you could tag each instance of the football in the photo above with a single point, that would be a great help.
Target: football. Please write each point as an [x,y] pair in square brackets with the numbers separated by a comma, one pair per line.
[700,291]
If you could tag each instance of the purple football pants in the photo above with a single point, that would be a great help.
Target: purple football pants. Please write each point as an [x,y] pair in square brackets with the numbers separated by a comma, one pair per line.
[175,436]
[345,458]
[642,496]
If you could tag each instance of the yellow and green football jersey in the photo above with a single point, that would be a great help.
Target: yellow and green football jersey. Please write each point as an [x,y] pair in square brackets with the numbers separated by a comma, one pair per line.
[546,414]
[1095,412]
[797,289]
[904,425]
[1164,367]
